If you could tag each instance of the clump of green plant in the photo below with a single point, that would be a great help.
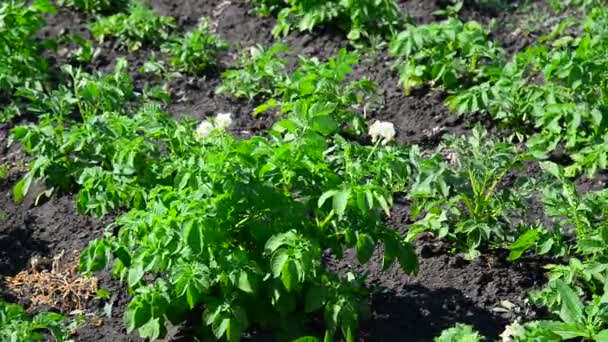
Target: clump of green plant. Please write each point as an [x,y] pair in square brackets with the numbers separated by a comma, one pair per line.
[578,318]
[462,199]
[577,290]
[320,96]
[459,333]
[259,72]
[360,18]
[234,228]
[560,5]
[450,54]
[139,26]
[554,94]
[196,51]
[242,237]
[89,96]
[4,170]
[239,227]
[94,6]
[16,325]
[21,61]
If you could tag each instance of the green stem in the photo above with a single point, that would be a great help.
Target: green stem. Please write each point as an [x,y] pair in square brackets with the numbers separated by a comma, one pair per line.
[373,150]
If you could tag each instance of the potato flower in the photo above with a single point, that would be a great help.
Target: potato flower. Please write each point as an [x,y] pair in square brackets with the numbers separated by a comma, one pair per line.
[223,120]
[383,131]
[512,330]
[203,130]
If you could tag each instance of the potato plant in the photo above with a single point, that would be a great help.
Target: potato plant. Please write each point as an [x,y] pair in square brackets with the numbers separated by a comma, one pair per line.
[258,73]
[196,51]
[554,96]
[17,325]
[450,54]
[94,6]
[463,200]
[319,95]
[235,228]
[359,18]
[138,27]
[21,63]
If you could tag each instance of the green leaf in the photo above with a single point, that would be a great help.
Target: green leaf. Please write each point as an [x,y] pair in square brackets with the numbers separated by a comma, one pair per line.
[238,323]
[316,297]
[602,336]
[244,283]
[94,257]
[151,329]
[123,255]
[307,339]
[523,243]
[289,275]
[138,313]
[264,107]
[591,246]
[365,247]
[340,201]
[564,330]
[192,295]
[219,329]
[325,125]
[571,310]
[194,238]
[45,6]
[407,257]
[136,273]
[325,196]
[383,203]
[391,248]
[278,261]
[278,240]
[22,187]
[552,168]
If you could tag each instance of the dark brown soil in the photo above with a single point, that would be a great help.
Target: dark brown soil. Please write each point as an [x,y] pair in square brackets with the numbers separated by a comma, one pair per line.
[447,290]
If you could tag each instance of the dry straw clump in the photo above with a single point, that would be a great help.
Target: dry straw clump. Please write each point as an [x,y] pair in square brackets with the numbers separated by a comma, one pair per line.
[54,283]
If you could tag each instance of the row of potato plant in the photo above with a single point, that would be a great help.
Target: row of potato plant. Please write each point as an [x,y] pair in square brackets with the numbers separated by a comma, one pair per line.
[552,95]
[360,19]
[233,228]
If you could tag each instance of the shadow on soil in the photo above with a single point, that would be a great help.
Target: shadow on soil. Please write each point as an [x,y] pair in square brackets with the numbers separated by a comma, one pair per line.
[420,314]
[17,246]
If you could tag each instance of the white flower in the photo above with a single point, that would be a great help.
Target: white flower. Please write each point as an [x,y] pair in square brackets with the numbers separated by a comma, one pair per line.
[512,330]
[382,130]
[223,120]
[203,130]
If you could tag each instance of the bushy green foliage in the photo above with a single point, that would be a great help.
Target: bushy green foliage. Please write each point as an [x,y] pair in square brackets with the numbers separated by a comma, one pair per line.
[94,6]
[450,54]
[319,95]
[139,26]
[259,72]
[558,91]
[236,228]
[459,333]
[560,5]
[196,51]
[360,18]
[21,62]
[462,199]
[89,96]
[16,325]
